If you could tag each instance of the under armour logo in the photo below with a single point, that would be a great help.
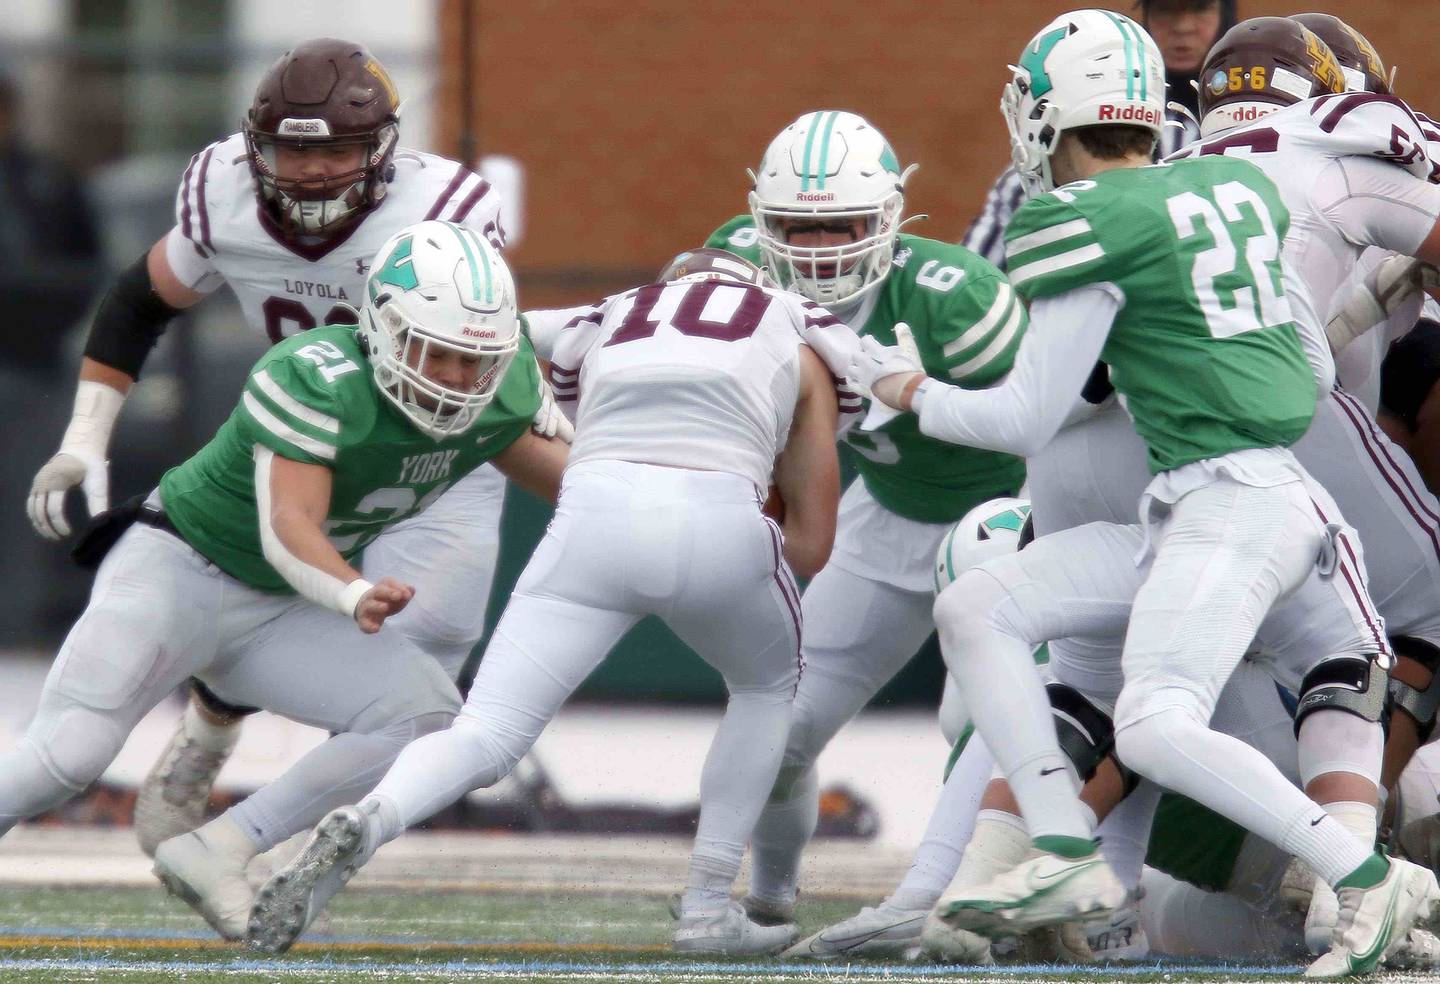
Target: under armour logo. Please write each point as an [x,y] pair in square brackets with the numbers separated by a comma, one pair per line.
[362,266]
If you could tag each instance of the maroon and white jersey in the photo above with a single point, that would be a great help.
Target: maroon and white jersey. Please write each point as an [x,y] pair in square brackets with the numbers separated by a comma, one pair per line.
[222,235]
[1354,171]
[699,374]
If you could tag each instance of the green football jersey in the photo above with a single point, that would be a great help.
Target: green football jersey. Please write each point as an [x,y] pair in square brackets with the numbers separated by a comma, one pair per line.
[1204,349]
[312,398]
[967,324]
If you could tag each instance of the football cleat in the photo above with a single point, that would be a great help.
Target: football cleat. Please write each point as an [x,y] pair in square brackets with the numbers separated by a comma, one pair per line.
[1321,917]
[766,912]
[1375,921]
[210,880]
[730,933]
[1420,950]
[873,931]
[947,944]
[298,892]
[1119,936]
[1039,891]
[173,798]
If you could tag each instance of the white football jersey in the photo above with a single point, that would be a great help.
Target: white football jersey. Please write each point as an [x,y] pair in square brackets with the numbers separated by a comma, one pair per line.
[222,235]
[699,374]
[1354,171]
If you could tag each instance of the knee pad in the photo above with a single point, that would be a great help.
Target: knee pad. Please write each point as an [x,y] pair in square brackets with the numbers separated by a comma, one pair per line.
[1422,705]
[963,611]
[1348,683]
[1086,733]
[76,745]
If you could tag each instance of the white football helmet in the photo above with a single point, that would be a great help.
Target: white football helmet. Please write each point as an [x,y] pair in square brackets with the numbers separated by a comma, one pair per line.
[1086,68]
[829,166]
[989,530]
[437,284]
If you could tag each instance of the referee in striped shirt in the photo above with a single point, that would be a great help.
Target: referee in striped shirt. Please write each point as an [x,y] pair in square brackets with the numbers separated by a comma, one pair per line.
[1184,30]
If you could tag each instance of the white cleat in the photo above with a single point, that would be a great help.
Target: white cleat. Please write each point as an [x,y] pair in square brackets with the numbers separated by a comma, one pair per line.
[212,882]
[947,944]
[872,932]
[1120,937]
[1040,891]
[1374,922]
[298,892]
[1321,917]
[173,798]
[1420,950]
[730,933]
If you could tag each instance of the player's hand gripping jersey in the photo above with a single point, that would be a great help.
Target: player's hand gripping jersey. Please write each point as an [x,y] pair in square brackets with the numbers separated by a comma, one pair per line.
[313,399]
[967,324]
[1203,348]
[222,235]
[699,374]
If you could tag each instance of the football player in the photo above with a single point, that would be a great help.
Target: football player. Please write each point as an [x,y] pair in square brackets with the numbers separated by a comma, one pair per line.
[238,569]
[824,221]
[1231,521]
[288,212]
[685,391]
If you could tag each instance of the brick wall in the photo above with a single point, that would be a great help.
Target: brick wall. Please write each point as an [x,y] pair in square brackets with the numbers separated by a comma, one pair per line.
[635,121]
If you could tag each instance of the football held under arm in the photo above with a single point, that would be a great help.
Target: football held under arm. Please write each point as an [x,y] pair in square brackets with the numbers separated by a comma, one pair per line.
[1022,414]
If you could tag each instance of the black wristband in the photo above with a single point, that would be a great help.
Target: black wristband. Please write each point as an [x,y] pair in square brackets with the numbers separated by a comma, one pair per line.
[131,319]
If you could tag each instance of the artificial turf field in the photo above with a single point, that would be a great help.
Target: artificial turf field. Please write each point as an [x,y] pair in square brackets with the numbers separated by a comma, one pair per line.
[79,904]
[142,935]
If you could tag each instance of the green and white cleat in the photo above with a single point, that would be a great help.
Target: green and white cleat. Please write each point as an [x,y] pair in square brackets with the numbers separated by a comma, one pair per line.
[1040,891]
[1375,922]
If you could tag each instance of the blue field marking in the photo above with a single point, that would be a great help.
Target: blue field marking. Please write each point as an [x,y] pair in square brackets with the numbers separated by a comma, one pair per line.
[668,969]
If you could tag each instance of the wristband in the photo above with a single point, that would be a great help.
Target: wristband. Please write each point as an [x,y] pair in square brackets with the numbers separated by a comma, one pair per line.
[349,599]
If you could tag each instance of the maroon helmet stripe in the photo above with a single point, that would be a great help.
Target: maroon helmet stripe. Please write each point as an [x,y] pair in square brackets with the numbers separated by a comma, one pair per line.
[461,173]
[478,193]
[200,200]
[185,202]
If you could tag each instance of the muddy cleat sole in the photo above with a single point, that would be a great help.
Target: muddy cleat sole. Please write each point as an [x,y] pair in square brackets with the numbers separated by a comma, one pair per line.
[873,931]
[298,892]
[173,798]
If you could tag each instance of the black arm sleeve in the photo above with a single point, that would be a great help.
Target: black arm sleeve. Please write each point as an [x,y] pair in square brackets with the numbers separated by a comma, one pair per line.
[130,321]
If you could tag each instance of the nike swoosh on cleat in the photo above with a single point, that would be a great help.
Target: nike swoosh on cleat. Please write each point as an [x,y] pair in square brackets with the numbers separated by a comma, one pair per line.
[849,942]
[1363,962]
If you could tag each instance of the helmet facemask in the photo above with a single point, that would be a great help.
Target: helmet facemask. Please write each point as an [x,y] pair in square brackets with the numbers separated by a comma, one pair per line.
[435,408]
[837,274]
[1033,133]
[320,206]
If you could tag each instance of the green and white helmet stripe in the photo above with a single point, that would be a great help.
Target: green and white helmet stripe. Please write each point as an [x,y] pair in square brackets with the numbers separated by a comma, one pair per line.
[989,530]
[482,281]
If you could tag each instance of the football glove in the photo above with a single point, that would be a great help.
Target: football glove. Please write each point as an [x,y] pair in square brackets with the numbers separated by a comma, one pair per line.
[1395,281]
[550,420]
[883,371]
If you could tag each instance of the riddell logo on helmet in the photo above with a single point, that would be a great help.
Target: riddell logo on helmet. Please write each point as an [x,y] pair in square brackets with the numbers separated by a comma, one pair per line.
[469,332]
[815,196]
[1139,114]
[1245,114]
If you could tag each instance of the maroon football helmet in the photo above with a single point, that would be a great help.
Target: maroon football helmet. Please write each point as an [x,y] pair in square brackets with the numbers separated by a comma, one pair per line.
[1261,65]
[1364,70]
[327,93]
[719,262]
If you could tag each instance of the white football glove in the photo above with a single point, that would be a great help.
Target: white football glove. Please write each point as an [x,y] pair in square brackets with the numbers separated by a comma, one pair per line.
[1395,281]
[59,475]
[550,420]
[881,371]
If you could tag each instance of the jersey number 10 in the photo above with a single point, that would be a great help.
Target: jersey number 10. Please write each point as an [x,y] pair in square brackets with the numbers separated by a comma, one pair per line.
[687,317]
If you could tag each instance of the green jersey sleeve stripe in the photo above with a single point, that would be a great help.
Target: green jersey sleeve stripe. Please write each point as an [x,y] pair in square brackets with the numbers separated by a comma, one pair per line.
[1060,261]
[1046,236]
[292,406]
[284,431]
[976,333]
[999,344]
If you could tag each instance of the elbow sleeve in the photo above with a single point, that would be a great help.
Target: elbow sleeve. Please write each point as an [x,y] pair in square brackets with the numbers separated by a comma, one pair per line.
[131,319]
